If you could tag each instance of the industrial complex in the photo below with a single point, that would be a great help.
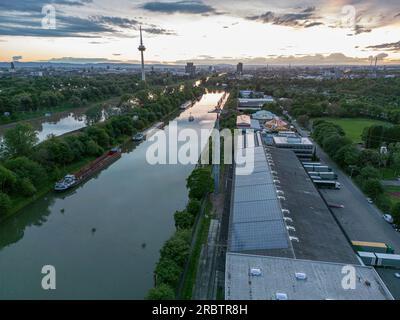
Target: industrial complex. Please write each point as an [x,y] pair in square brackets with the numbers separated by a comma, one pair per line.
[284,242]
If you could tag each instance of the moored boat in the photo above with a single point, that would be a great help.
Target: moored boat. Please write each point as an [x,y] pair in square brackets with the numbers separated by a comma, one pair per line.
[138,137]
[72,180]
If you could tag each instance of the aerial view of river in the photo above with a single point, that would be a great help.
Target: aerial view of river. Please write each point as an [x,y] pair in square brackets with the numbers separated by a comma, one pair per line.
[104,237]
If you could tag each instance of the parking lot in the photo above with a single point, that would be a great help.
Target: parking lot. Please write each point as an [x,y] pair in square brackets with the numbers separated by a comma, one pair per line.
[361,220]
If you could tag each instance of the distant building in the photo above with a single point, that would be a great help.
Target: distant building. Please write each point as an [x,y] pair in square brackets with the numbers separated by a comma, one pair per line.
[302,147]
[239,68]
[253,100]
[190,68]
[245,122]
[263,115]
[12,67]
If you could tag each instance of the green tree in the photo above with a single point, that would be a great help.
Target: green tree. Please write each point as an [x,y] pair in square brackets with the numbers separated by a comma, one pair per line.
[183,219]
[176,249]
[20,140]
[396,213]
[26,168]
[168,272]
[25,187]
[369,172]
[193,207]
[161,292]
[99,135]
[373,188]
[200,183]
[5,204]
[7,179]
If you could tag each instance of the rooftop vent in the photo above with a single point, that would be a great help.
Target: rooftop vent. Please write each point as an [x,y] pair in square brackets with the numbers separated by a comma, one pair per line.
[281,296]
[300,276]
[255,272]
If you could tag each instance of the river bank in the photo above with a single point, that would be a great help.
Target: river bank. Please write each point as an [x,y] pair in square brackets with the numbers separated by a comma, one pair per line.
[104,237]
[39,116]
[20,203]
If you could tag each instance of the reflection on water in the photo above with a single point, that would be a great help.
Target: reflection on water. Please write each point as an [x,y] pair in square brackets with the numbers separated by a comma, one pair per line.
[64,122]
[104,237]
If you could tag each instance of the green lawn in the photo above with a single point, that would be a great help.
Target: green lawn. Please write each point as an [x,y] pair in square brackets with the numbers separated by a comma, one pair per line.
[393,198]
[354,126]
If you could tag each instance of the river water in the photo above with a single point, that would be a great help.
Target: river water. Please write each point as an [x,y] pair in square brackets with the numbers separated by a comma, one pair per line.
[104,237]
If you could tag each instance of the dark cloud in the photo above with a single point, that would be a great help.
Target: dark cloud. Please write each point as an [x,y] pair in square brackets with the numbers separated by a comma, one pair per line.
[358,29]
[192,7]
[115,21]
[81,60]
[304,18]
[30,24]
[313,24]
[394,47]
[17,58]
[37,5]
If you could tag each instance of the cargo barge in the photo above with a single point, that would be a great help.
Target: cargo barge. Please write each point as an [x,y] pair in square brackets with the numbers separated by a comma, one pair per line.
[72,180]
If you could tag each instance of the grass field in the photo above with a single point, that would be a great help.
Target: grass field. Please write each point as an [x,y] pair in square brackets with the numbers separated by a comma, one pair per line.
[393,193]
[354,126]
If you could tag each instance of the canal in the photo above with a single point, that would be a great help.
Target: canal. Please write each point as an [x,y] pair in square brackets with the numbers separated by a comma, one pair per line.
[104,237]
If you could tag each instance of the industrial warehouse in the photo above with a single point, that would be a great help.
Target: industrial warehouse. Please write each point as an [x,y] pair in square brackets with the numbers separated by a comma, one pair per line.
[284,243]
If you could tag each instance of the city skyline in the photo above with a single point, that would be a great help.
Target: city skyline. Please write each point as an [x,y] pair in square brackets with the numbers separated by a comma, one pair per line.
[206,32]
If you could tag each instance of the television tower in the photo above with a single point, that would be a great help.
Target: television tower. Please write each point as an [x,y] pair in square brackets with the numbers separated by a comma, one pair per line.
[142,48]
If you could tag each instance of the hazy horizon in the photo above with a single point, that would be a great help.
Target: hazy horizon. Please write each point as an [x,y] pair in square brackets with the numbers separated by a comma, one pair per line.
[204,31]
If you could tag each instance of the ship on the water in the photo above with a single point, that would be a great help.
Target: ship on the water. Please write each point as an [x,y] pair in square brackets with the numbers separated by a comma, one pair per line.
[72,180]
[186,105]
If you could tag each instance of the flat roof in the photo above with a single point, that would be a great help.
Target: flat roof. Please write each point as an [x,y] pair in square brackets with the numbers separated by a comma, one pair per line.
[320,237]
[278,275]
[279,140]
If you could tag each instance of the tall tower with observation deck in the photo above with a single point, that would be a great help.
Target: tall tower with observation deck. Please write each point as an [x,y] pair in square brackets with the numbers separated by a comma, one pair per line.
[142,48]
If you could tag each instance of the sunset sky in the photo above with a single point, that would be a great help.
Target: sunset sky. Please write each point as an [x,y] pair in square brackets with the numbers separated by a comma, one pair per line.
[206,31]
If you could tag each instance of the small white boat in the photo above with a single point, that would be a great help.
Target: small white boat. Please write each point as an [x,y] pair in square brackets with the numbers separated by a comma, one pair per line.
[138,137]
[68,182]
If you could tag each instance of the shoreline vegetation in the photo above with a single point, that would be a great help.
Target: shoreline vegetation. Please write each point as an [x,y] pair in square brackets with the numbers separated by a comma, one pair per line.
[175,272]
[28,171]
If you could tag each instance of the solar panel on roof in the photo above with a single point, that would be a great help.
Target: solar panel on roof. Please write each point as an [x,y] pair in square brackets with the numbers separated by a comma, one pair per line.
[254,193]
[254,179]
[261,235]
[256,211]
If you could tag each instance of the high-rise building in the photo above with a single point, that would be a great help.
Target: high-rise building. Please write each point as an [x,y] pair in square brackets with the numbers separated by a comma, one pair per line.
[239,68]
[12,67]
[190,68]
[142,48]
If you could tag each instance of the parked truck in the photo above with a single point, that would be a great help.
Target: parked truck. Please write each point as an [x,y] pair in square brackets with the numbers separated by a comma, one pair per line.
[324,175]
[376,247]
[327,184]
[380,259]
[310,168]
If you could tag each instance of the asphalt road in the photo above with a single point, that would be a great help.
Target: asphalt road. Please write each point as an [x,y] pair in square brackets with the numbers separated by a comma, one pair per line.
[360,220]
